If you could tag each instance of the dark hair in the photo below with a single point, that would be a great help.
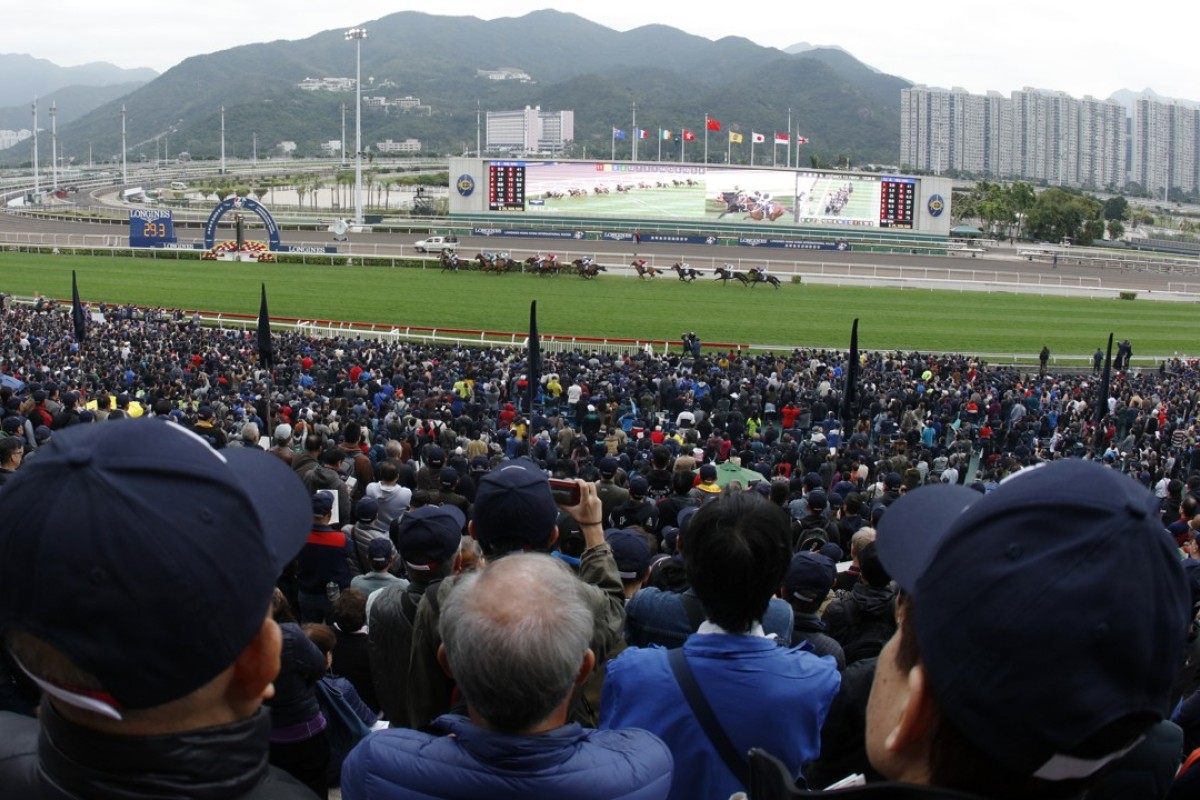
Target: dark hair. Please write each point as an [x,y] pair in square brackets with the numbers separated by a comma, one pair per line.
[332,456]
[682,481]
[320,635]
[388,471]
[956,763]
[736,556]
[350,610]
[873,571]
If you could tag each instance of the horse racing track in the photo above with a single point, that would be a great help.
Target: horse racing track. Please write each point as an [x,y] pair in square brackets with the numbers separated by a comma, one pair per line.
[666,201]
[617,305]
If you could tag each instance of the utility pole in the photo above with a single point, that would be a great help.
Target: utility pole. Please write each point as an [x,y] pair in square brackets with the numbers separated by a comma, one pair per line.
[222,140]
[478,140]
[37,183]
[53,145]
[344,134]
[124,159]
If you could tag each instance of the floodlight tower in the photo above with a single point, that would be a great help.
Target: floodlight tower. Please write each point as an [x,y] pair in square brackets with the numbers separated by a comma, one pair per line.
[357,35]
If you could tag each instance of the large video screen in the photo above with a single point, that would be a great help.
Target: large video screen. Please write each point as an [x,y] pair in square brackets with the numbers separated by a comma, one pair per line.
[696,192]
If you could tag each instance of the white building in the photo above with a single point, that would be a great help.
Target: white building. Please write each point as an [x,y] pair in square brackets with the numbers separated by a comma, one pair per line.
[529,131]
[407,146]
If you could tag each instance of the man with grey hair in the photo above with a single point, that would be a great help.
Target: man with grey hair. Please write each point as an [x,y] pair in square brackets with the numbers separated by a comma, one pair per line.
[515,636]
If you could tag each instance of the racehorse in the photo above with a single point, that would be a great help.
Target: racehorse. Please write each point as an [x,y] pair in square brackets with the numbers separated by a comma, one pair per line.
[734,201]
[769,211]
[686,273]
[757,277]
[643,269]
[591,269]
[451,262]
[545,265]
[493,262]
[727,273]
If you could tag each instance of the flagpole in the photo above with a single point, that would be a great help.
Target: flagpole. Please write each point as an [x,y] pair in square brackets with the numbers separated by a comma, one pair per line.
[729,150]
[660,130]
[635,132]
[752,148]
[706,138]
[789,150]
[682,146]
[613,149]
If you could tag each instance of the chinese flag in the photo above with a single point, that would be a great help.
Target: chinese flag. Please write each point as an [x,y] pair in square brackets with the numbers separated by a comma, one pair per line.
[711,124]
[688,136]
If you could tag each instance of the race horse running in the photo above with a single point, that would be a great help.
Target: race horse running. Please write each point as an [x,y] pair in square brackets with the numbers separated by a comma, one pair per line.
[543,265]
[588,268]
[493,262]
[451,262]
[727,273]
[762,276]
[643,269]
[686,273]
[770,210]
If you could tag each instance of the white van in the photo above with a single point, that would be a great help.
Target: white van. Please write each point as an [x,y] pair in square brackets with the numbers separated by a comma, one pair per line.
[436,244]
[179,186]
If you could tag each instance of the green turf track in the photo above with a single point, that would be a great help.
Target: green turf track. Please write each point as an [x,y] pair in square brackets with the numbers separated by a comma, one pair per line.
[622,307]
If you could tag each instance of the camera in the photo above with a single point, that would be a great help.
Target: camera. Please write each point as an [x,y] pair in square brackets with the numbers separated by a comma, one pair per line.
[565,493]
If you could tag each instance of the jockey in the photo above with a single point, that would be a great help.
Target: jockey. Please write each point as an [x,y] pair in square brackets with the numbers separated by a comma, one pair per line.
[760,273]
[552,257]
[684,266]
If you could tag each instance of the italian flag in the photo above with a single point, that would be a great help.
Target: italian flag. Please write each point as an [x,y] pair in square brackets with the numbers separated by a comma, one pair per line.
[664,133]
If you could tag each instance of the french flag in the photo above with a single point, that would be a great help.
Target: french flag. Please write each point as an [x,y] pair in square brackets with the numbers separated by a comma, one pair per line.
[642,133]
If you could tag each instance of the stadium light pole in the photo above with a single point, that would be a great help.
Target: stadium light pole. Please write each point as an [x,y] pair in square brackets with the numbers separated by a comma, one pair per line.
[37,181]
[357,35]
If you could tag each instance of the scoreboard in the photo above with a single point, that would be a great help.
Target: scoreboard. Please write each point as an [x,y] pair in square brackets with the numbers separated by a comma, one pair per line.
[896,199]
[506,186]
[151,227]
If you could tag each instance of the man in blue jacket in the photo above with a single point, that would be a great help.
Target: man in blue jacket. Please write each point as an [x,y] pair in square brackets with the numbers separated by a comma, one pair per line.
[516,640]
[754,691]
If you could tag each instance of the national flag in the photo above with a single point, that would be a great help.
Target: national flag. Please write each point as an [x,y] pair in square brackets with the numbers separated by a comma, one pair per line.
[781,138]
[618,133]
[757,138]
[801,140]
[1102,399]
[642,133]
[266,351]
[688,136]
[77,319]
[534,357]
[711,124]
[850,393]
[735,138]
[664,133]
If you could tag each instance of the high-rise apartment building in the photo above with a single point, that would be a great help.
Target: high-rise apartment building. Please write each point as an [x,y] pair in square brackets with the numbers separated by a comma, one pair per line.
[1033,135]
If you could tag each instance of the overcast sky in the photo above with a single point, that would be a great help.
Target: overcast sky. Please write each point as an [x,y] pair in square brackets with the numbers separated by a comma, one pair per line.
[1080,48]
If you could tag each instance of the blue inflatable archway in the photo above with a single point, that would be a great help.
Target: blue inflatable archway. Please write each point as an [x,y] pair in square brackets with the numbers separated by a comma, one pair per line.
[248,204]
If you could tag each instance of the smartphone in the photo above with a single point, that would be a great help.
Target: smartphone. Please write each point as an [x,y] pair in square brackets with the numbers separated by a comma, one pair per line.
[565,493]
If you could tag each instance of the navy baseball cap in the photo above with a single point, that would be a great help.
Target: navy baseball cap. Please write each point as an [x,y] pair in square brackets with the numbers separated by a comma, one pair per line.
[809,576]
[630,550]
[1045,610]
[817,500]
[608,466]
[638,486]
[436,456]
[429,535]
[514,507]
[380,550]
[172,548]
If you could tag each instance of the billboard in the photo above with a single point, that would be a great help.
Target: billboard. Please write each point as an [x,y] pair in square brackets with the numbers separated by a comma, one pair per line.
[537,189]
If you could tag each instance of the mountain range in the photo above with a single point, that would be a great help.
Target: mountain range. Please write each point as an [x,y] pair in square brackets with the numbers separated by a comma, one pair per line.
[844,107]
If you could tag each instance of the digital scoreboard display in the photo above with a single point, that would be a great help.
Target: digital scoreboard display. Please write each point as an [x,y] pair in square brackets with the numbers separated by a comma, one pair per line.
[151,227]
[896,199]
[506,186]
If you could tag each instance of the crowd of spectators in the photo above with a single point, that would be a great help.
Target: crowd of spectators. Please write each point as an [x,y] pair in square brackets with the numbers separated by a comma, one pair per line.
[413,456]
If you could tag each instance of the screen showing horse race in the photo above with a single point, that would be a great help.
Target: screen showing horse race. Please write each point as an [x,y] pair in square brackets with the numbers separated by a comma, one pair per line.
[692,191]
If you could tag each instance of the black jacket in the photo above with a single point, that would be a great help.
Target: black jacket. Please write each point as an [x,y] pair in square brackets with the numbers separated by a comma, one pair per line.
[59,760]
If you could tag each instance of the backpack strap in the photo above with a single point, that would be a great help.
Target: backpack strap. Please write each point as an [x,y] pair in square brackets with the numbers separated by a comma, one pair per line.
[706,717]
